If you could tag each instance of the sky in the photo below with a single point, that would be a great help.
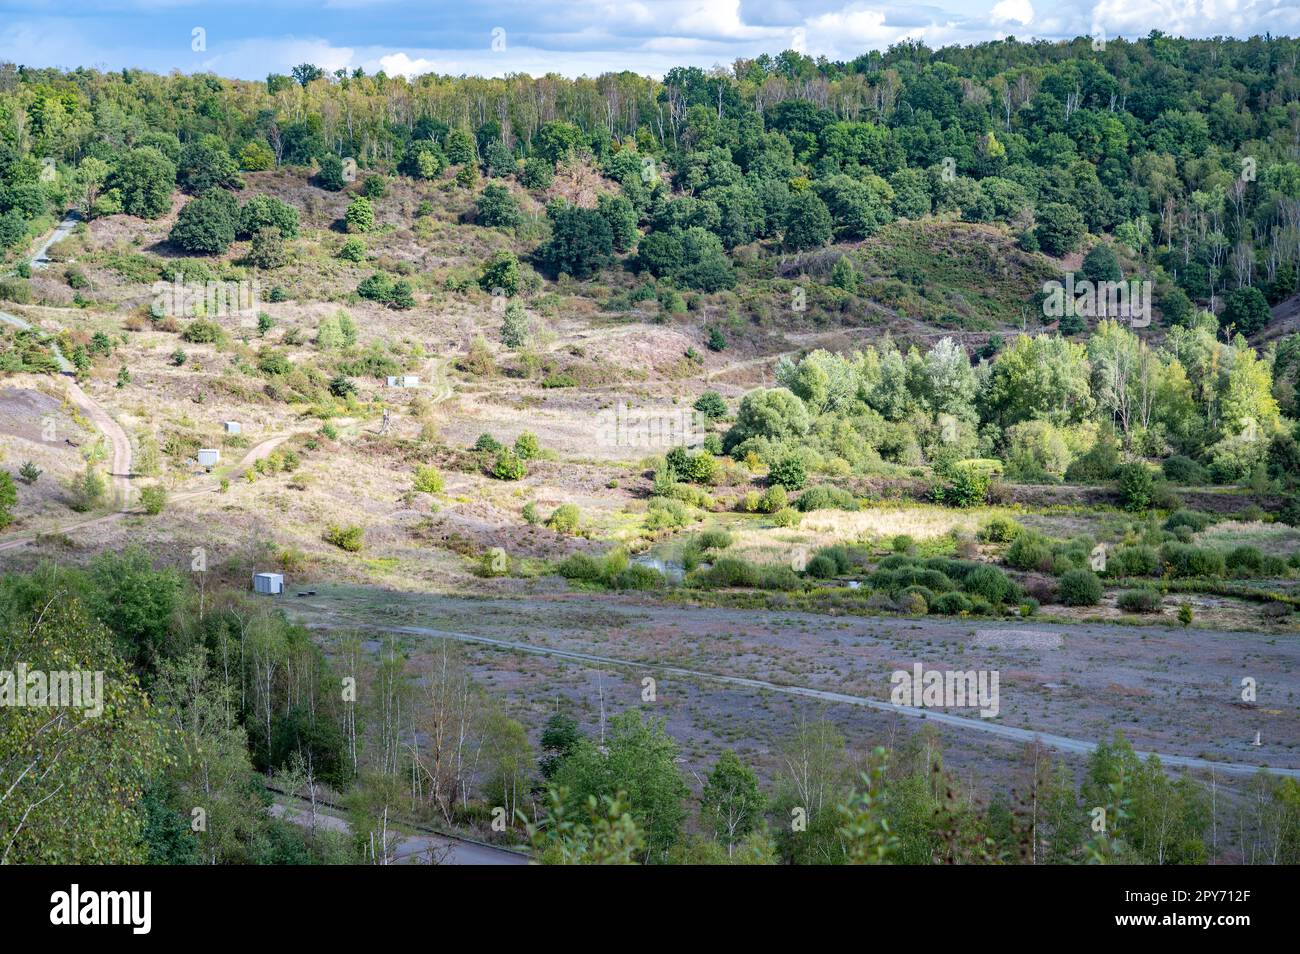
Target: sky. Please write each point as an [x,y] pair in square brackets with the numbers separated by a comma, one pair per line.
[250,38]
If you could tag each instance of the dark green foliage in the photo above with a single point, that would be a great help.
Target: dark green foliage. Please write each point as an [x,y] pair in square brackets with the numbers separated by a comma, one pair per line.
[1080,588]
[1185,560]
[789,472]
[1100,264]
[581,242]
[807,222]
[1135,487]
[145,178]
[1245,310]
[1060,228]
[330,176]
[497,207]
[207,224]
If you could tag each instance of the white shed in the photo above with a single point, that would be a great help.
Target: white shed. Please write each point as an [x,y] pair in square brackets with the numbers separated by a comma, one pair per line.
[232,427]
[272,584]
[209,456]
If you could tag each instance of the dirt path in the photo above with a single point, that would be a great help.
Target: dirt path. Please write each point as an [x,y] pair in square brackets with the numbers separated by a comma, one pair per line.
[42,259]
[416,848]
[119,467]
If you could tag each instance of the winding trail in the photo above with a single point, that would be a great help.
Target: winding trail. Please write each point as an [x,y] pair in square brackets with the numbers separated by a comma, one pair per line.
[990,727]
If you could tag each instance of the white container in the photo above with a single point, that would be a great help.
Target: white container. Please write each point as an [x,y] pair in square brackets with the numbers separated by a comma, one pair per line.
[232,427]
[271,584]
[209,457]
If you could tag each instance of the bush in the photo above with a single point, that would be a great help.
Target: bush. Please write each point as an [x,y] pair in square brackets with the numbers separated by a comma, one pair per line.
[581,566]
[87,490]
[773,499]
[821,568]
[428,480]
[785,517]
[999,530]
[1187,518]
[350,538]
[1185,560]
[1184,471]
[486,442]
[638,577]
[968,486]
[527,447]
[990,583]
[825,497]
[353,250]
[1135,487]
[1245,561]
[360,216]
[509,466]
[789,472]
[1029,551]
[202,331]
[1140,560]
[950,604]
[1142,600]
[153,499]
[1080,588]
[565,518]
[714,539]
[730,571]
[712,405]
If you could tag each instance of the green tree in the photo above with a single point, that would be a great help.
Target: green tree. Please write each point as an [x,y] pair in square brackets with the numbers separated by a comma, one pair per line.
[731,801]
[1060,228]
[145,178]
[807,222]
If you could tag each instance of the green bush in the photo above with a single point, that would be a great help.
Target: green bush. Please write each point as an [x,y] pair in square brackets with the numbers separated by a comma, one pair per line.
[153,499]
[565,518]
[789,472]
[1029,551]
[582,566]
[1000,530]
[730,571]
[825,497]
[968,486]
[1185,560]
[349,538]
[950,604]
[486,442]
[638,577]
[1142,600]
[1135,487]
[785,517]
[1140,560]
[773,499]
[527,447]
[714,539]
[821,568]
[1245,561]
[428,480]
[1080,588]
[990,583]
[1184,471]
[1196,522]
[509,466]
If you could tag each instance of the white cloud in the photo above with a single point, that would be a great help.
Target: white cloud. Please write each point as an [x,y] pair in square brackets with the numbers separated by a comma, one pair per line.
[1008,11]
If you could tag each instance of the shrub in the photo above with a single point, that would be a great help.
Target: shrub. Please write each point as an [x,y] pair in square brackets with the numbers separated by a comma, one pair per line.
[1185,560]
[153,499]
[999,530]
[353,250]
[1184,471]
[581,566]
[201,331]
[785,517]
[1187,518]
[825,497]
[968,486]
[1142,600]
[773,499]
[486,442]
[87,490]
[1245,561]
[714,539]
[730,571]
[28,473]
[360,216]
[789,472]
[902,543]
[565,518]
[913,602]
[821,568]
[990,583]
[1135,487]
[1185,614]
[509,466]
[711,405]
[1029,551]
[428,480]
[950,604]
[527,447]
[349,538]
[1080,588]
[1140,560]
[638,577]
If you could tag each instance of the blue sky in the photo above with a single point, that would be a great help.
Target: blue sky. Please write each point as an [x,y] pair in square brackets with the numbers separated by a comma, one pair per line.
[249,38]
